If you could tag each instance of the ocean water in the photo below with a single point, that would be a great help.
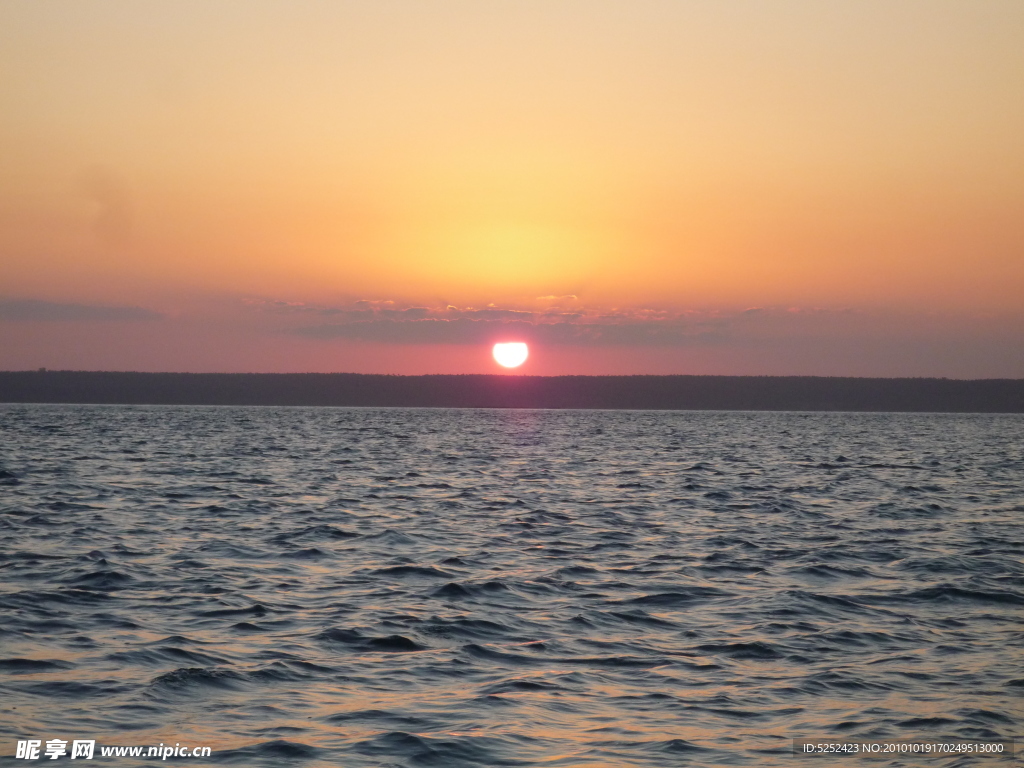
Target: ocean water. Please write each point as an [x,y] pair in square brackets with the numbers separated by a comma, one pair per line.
[392,587]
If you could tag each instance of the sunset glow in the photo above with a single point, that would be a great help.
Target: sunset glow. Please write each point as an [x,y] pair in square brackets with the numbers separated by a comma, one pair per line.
[779,187]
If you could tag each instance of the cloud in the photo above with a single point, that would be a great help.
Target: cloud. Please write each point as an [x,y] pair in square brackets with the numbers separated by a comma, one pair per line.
[390,322]
[113,221]
[34,310]
[483,330]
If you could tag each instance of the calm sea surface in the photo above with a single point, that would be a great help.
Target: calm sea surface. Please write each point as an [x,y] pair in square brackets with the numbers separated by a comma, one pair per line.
[390,587]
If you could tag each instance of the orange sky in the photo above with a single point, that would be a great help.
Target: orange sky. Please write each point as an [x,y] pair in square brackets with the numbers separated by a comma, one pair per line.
[217,185]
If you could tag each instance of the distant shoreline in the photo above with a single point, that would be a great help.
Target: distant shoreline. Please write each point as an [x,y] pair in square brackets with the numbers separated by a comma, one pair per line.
[741,393]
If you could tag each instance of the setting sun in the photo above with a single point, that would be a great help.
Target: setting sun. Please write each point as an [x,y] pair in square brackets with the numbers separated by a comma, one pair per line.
[512,354]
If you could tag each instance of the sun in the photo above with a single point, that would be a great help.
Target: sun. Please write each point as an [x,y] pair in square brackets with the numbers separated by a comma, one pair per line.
[511,354]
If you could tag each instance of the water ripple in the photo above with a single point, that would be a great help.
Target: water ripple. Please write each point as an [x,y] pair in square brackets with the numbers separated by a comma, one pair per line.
[402,587]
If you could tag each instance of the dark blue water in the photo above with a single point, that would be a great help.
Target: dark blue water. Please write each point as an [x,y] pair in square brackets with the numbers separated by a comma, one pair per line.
[356,587]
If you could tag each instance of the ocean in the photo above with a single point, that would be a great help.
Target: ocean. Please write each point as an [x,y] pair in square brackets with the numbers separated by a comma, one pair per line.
[432,587]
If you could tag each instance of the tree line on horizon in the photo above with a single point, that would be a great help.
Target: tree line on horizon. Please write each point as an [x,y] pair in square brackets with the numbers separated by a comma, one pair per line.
[640,392]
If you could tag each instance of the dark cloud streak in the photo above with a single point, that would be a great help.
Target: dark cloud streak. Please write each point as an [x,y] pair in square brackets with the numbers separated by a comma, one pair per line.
[481,331]
[385,321]
[35,310]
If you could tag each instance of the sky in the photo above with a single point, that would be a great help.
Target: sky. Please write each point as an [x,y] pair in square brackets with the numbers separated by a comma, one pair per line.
[757,187]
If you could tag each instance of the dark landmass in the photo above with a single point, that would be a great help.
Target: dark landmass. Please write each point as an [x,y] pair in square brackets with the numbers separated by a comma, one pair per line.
[753,393]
